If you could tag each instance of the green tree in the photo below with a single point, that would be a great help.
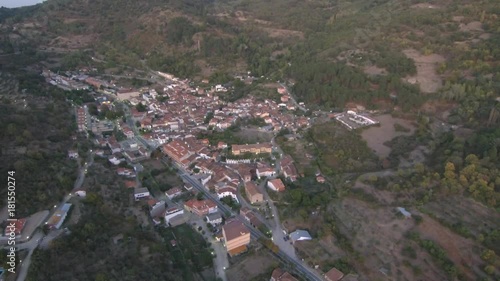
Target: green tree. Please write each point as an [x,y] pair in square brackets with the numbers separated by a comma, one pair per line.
[141,107]
[488,255]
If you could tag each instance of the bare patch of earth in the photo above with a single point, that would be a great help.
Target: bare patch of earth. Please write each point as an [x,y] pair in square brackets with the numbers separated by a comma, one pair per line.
[283,33]
[474,26]
[271,85]
[253,135]
[377,136]
[378,234]
[73,42]
[374,70]
[425,6]
[319,252]
[250,266]
[427,77]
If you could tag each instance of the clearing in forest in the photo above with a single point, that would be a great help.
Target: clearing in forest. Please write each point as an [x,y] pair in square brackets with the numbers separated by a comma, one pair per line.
[376,136]
[427,77]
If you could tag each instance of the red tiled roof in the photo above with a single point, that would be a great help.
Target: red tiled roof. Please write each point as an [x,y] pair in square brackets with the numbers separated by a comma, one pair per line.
[234,229]
[334,275]
[278,184]
[18,227]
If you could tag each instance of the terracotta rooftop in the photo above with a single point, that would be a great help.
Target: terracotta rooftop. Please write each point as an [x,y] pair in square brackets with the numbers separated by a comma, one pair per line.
[334,275]
[251,188]
[281,275]
[234,229]
[278,184]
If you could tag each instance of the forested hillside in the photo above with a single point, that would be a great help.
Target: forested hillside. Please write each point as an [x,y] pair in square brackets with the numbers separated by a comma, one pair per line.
[376,53]
[430,68]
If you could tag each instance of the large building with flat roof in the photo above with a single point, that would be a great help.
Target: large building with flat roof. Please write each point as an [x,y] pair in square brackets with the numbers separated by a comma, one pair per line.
[57,219]
[236,236]
[237,149]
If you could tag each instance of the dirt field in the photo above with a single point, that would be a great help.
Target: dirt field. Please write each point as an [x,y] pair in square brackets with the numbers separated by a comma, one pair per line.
[319,252]
[251,265]
[377,136]
[254,135]
[427,77]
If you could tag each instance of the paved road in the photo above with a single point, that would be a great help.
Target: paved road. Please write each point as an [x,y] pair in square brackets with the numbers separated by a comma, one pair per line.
[23,266]
[304,270]
[220,260]
[39,237]
[131,124]
[278,232]
[244,203]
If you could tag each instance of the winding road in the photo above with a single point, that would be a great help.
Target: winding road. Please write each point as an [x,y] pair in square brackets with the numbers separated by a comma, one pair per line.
[38,237]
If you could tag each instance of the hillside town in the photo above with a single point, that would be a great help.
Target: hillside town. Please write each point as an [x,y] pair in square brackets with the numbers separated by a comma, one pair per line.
[226,184]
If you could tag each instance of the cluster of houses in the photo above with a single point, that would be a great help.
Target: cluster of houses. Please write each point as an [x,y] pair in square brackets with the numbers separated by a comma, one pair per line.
[182,110]
[171,121]
[82,118]
[129,151]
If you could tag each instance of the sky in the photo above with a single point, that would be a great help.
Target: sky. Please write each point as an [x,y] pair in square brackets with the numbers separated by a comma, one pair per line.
[18,3]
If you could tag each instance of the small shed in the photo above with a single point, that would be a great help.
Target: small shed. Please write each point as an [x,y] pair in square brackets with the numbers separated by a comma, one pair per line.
[300,235]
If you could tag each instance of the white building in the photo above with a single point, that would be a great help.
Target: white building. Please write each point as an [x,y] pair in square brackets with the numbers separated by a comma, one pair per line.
[173,192]
[224,192]
[171,213]
[141,193]
[81,193]
[73,154]
[265,172]
[214,218]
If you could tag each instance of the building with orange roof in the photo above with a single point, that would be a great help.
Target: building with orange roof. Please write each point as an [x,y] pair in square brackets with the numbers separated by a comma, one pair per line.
[178,151]
[276,185]
[252,148]
[236,237]
[200,207]
[16,227]
[253,193]
[281,275]
[334,275]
